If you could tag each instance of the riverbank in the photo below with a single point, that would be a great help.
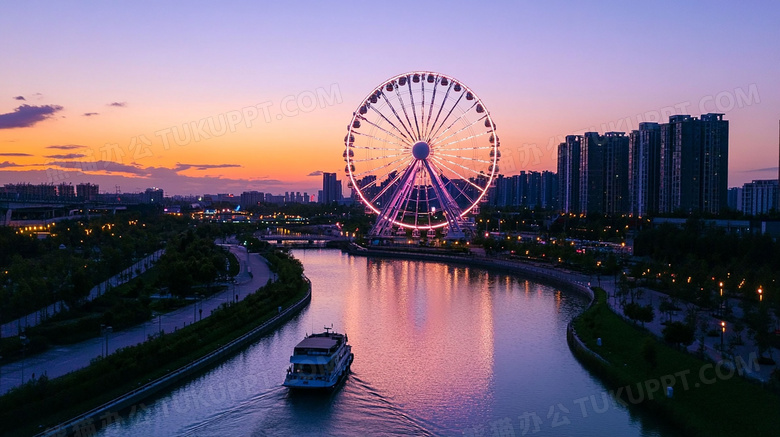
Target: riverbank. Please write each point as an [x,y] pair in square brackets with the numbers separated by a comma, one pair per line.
[138,372]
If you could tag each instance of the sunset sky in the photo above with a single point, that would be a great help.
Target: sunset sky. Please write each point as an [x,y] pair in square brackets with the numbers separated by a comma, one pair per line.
[205,97]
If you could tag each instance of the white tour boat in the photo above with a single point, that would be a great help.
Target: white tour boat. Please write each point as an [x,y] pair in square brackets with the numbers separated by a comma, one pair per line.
[319,361]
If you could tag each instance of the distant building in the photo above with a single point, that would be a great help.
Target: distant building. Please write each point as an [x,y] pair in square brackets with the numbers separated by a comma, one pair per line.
[87,191]
[735,199]
[331,188]
[251,198]
[273,199]
[66,191]
[759,197]
[153,195]
[25,191]
[549,190]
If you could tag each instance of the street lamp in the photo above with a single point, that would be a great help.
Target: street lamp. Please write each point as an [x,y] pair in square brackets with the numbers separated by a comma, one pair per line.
[25,341]
[722,331]
[760,294]
[105,330]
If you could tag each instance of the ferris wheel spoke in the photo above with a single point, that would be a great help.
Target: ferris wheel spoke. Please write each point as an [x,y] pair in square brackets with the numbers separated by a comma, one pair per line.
[403,146]
[409,194]
[470,137]
[383,129]
[461,130]
[401,159]
[448,204]
[392,207]
[391,123]
[458,174]
[463,193]
[451,183]
[438,114]
[458,118]
[422,108]
[460,97]
[466,148]
[392,182]
[430,110]
[467,158]
[398,117]
[403,108]
[428,206]
[414,111]
[375,158]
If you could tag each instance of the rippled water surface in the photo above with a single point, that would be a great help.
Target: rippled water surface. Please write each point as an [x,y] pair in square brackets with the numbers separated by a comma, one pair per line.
[439,350]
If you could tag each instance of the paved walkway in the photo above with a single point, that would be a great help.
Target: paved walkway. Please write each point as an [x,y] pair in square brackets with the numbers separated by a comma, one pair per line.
[65,359]
[14,328]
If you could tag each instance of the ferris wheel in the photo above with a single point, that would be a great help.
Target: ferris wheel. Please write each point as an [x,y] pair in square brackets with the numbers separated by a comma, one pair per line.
[421,153]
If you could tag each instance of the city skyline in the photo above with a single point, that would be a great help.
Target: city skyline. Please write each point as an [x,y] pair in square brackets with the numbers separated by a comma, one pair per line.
[140,96]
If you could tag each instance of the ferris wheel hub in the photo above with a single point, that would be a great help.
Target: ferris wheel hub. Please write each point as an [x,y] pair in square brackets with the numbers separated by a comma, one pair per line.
[421,150]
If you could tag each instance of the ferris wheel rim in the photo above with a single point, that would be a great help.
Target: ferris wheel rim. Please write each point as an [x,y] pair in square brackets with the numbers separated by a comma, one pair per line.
[405,142]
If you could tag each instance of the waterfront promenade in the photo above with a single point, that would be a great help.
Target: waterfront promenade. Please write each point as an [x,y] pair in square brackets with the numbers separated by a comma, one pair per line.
[64,359]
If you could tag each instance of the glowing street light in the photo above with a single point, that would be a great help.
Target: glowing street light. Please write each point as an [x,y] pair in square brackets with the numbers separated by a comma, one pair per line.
[722,331]
[760,294]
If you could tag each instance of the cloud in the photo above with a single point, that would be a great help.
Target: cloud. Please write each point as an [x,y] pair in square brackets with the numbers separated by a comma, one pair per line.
[102,166]
[182,167]
[90,114]
[118,104]
[761,170]
[315,173]
[67,156]
[66,147]
[26,116]
[19,98]
[7,164]
[15,154]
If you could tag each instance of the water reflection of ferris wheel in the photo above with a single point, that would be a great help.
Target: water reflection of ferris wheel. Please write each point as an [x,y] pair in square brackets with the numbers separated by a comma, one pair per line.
[421,152]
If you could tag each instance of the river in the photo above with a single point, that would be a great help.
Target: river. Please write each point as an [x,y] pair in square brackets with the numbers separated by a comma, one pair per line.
[439,350]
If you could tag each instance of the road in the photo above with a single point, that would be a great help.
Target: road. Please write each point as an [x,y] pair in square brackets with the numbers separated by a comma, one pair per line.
[64,359]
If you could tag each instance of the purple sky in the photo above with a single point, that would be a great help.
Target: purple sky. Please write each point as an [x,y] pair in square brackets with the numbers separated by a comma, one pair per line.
[108,77]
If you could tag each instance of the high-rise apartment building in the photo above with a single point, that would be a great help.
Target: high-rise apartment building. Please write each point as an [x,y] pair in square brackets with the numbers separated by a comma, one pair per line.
[591,189]
[331,188]
[615,173]
[569,174]
[644,160]
[715,162]
[694,164]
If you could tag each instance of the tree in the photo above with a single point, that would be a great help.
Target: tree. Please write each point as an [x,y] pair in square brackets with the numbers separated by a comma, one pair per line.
[649,353]
[759,323]
[679,333]
[641,313]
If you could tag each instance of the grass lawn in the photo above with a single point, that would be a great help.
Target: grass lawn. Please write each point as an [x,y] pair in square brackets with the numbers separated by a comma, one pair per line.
[709,398]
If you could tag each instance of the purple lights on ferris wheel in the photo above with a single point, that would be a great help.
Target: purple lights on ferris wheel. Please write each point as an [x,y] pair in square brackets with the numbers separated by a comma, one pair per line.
[421,152]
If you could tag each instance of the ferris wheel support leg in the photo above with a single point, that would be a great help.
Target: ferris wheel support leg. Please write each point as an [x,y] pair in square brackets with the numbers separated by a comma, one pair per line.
[385,219]
[451,207]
